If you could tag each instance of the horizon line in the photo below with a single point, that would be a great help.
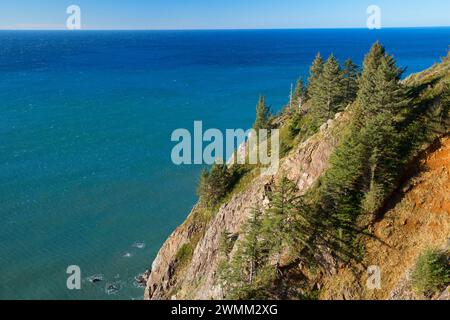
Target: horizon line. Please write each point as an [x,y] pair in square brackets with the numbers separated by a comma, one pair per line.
[224,29]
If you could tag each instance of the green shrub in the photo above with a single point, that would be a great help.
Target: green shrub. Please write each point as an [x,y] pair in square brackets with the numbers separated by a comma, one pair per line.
[184,255]
[432,272]
[215,184]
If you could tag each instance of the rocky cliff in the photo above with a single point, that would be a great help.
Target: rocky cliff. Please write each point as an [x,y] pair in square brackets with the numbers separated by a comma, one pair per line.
[198,280]
[415,217]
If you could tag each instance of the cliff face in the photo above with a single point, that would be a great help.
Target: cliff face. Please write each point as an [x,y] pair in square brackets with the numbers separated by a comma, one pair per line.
[417,218]
[414,218]
[198,280]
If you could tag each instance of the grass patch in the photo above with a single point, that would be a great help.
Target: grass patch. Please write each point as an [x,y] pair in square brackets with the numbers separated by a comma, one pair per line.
[184,255]
[432,272]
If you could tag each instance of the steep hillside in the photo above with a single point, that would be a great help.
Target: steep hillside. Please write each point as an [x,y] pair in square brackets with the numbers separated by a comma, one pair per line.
[417,218]
[372,184]
[170,278]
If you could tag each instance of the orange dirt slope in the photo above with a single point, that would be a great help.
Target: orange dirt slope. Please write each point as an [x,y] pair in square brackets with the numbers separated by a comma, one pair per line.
[417,218]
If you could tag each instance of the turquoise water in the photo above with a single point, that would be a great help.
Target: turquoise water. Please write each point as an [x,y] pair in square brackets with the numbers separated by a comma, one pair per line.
[85,124]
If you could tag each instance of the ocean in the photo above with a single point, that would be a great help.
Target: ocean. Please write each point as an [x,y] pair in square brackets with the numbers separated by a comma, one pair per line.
[86,176]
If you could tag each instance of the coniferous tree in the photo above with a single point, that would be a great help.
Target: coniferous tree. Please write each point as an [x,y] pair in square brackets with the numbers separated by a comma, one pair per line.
[382,161]
[286,225]
[262,115]
[315,72]
[215,184]
[367,81]
[328,96]
[252,251]
[380,133]
[341,191]
[255,266]
[351,74]
[246,276]
[202,186]
[299,95]
[363,169]
[389,96]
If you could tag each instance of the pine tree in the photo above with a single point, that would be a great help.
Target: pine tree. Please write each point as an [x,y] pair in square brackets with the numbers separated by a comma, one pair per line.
[339,200]
[286,224]
[328,96]
[251,246]
[262,115]
[246,276]
[381,98]
[215,184]
[364,167]
[351,74]
[382,160]
[315,72]
[299,95]
[219,181]
[202,186]
[389,96]
[367,81]
[380,133]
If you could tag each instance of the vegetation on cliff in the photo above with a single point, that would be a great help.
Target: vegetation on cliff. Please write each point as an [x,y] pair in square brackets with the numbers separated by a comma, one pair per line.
[293,239]
[385,132]
[432,272]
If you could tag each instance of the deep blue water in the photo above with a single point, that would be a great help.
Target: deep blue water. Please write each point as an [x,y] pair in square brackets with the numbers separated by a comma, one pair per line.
[85,124]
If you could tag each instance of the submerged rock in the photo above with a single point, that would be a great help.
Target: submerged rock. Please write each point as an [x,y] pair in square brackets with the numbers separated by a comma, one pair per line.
[139,245]
[96,278]
[112,288]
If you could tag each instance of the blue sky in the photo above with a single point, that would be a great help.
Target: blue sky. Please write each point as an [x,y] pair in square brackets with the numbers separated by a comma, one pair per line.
[221,14]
